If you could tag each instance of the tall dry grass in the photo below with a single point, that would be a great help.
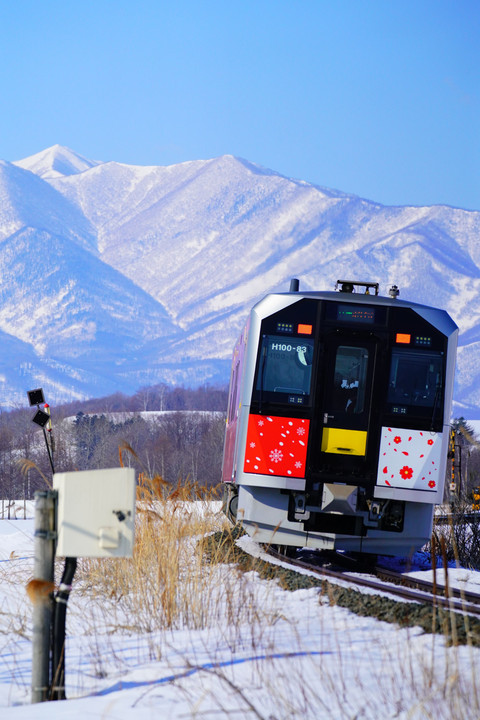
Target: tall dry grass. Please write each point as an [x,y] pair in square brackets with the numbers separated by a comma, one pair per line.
[168,583]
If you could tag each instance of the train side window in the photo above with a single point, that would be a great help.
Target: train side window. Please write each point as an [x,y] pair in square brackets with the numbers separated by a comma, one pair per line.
[232,406]
[416,378]
[350,379]
[285,365]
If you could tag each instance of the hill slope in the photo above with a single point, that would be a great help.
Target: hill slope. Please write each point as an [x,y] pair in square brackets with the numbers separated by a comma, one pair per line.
[146,274]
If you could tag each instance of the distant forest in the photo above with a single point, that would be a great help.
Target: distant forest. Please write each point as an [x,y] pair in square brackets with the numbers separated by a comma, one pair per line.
[183,444]
[175,433]
[157,397]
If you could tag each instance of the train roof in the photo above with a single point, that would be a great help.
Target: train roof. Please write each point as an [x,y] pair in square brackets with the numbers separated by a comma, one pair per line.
[437,316]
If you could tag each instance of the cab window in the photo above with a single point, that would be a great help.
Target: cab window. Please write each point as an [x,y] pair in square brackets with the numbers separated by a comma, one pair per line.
[416,379]
[285,366]
[350,379]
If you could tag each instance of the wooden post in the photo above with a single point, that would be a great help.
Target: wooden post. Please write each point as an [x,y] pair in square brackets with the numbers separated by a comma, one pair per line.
[40,591]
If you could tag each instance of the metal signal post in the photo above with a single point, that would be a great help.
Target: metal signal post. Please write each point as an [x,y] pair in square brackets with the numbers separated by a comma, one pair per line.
[42,418]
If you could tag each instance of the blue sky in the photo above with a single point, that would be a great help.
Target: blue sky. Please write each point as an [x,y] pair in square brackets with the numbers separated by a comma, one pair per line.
[380,98]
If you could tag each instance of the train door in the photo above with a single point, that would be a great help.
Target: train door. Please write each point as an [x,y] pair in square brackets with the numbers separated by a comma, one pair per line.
[345,392]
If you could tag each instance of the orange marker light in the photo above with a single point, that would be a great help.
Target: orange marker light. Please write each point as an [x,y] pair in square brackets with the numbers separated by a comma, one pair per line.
[305,329]
[404,338]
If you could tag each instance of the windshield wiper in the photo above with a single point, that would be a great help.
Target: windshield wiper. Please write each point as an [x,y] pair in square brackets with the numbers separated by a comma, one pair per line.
[436,405]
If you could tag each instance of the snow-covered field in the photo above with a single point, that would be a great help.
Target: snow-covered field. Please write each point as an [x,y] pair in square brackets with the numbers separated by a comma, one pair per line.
[278,655]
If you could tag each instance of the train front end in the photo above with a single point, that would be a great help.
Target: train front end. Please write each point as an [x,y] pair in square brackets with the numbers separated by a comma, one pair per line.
[338,420]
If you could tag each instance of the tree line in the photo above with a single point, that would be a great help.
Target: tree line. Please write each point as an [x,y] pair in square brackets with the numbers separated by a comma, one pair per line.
[173,432]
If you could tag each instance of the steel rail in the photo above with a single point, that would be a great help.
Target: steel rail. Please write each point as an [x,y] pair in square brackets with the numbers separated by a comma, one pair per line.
[467,603]
[427,586]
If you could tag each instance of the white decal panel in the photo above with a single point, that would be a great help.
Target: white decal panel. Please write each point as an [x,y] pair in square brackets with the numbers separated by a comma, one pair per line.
[409,459]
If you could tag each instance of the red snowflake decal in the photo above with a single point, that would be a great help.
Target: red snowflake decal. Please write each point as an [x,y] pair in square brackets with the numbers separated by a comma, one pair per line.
[406,472]
[276,446]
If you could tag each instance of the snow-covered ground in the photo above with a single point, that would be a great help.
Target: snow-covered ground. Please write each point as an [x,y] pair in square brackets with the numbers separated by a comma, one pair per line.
[283,655]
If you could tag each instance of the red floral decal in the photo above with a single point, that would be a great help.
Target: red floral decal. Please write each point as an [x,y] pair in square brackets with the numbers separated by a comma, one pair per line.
[406,472]
[385,469]
[276,446]
[397,439]
[430,442]
[432,483]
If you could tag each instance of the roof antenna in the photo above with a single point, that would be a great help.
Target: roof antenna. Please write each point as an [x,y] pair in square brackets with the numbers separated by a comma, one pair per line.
[294,285]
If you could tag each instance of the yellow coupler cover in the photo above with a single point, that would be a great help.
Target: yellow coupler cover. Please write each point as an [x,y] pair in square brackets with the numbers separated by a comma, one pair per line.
[344,442]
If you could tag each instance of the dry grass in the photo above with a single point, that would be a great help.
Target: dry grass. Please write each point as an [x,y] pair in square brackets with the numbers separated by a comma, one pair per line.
[461,535]
[167,581]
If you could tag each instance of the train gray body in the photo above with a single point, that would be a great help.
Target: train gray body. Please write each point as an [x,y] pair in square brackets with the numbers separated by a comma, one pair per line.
[338,420]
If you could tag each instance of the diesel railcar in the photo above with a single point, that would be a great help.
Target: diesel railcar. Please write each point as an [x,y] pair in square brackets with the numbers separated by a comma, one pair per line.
[338,419]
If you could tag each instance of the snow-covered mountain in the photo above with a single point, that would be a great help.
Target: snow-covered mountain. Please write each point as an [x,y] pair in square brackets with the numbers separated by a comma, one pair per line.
[56,161]
[116,276]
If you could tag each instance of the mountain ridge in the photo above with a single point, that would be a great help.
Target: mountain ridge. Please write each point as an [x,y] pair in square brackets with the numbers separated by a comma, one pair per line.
[200,243]
[55,161]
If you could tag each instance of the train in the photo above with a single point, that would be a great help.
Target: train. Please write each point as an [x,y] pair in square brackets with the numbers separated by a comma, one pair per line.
[338,420]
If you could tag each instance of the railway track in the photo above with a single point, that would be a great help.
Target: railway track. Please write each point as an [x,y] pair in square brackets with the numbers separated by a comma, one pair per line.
[355,588]
[383,580]
[448,519]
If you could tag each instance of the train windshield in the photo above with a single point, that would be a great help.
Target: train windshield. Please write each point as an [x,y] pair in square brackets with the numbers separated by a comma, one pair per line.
[416,379]
[285,366]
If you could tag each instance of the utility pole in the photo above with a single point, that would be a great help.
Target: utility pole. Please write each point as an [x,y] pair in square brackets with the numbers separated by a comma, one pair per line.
[40,591]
